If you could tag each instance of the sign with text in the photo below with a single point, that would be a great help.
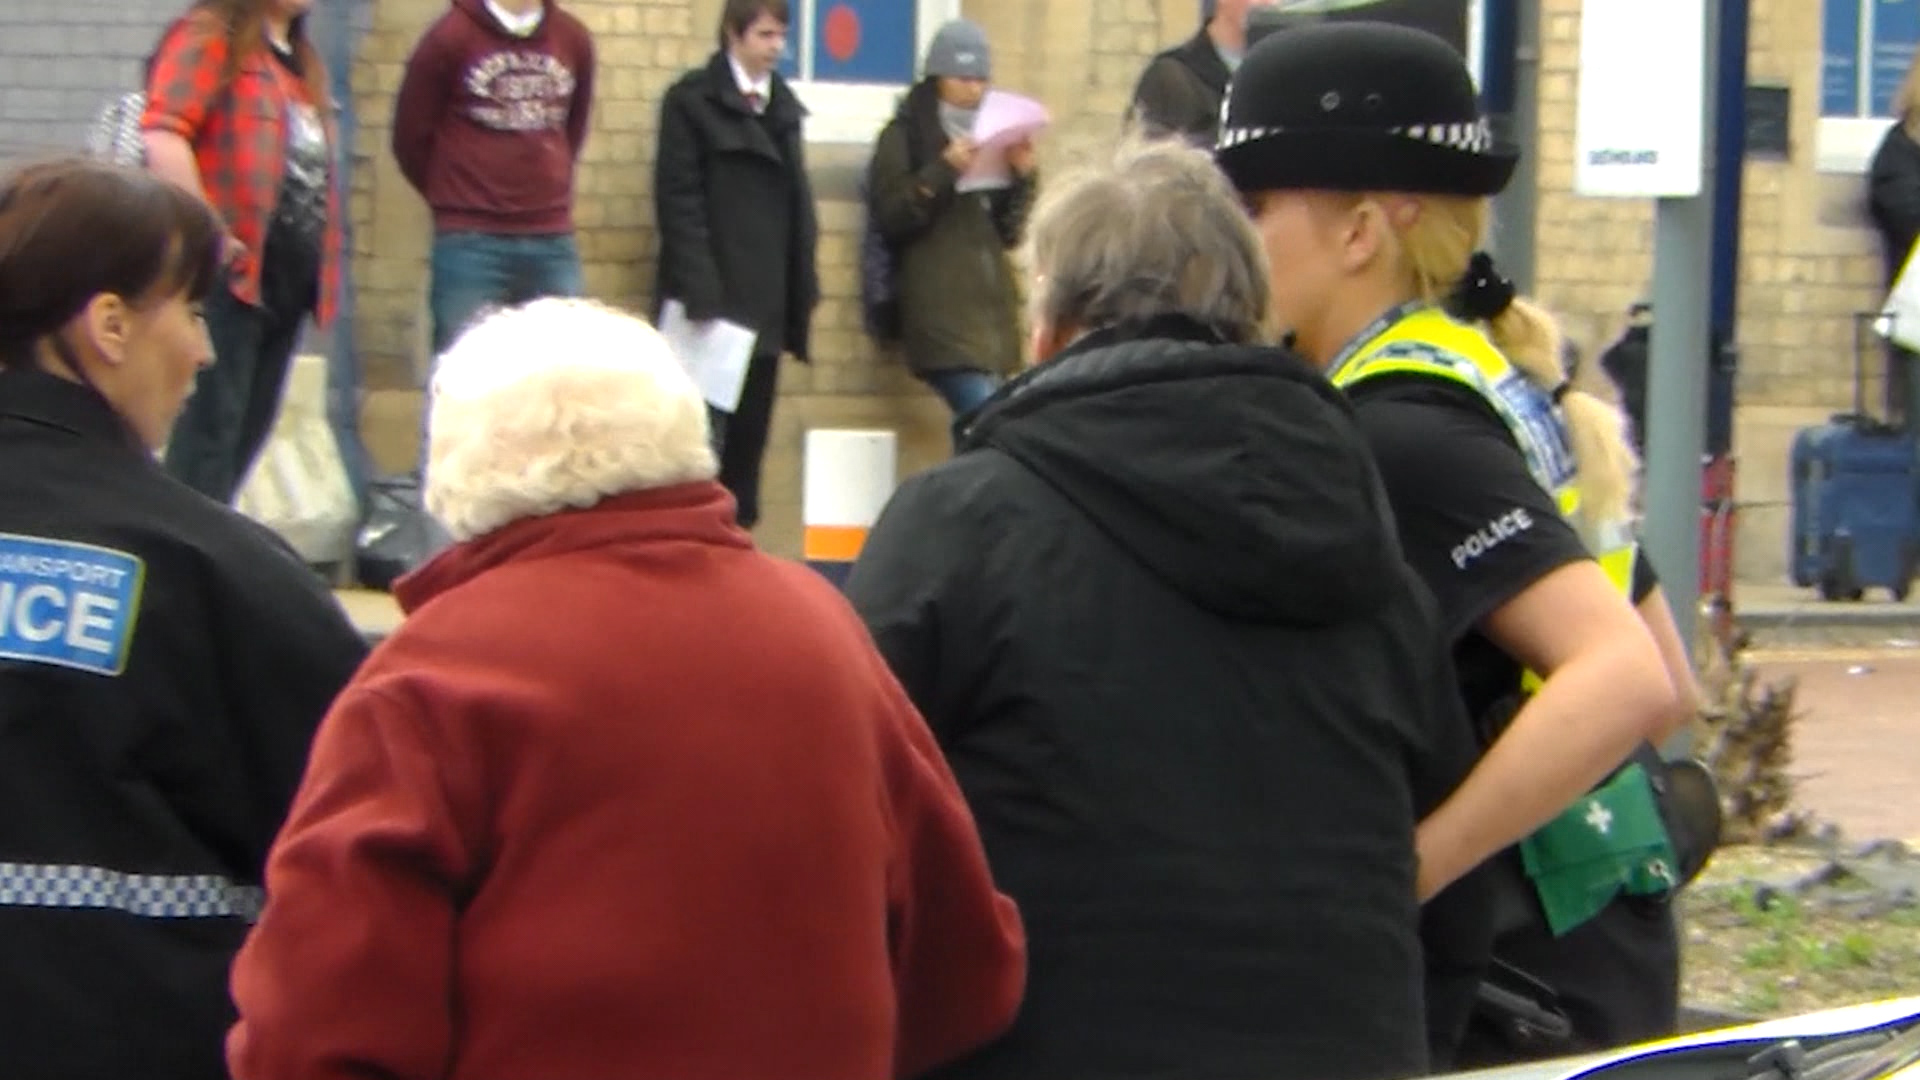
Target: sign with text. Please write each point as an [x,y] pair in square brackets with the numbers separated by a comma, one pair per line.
[1866,47]
[66,604]
[1641,125]
[1896,33]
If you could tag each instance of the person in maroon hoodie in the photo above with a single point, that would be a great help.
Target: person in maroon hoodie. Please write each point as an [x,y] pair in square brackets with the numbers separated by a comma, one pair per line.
[622,796]
[490,118]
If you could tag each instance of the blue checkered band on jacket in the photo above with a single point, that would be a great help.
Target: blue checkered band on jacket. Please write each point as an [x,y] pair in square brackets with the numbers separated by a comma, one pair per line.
[154,896]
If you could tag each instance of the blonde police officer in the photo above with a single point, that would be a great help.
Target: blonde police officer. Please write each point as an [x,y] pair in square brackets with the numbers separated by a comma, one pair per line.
[163,661]
[1361,154]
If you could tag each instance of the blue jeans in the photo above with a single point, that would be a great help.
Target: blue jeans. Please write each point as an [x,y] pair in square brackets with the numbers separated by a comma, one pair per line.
[963,389]
[337,30]
[475,271]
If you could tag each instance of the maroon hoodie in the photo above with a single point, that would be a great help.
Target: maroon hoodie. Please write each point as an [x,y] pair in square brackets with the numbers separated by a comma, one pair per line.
[488,125]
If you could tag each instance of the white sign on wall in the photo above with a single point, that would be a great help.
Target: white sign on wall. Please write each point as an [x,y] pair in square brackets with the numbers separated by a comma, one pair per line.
[1640,120]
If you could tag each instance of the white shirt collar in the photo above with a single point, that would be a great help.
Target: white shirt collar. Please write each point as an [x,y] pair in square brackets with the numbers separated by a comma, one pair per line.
[517,25]
[763,86]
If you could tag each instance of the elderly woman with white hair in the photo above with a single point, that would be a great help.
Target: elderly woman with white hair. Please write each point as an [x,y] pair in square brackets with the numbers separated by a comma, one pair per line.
[1156,614]
[623,796]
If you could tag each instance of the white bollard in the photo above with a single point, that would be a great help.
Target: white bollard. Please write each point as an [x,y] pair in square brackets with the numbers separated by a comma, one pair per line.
[846,478]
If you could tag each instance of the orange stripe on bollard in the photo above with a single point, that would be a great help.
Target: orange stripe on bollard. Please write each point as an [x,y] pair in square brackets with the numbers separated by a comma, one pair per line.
[834,543]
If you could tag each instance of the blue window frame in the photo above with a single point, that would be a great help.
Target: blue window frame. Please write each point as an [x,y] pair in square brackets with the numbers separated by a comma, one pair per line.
[861,42]
[1866,47]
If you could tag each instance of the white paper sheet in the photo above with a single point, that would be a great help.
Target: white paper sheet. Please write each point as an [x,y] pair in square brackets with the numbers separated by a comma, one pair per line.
[715,352]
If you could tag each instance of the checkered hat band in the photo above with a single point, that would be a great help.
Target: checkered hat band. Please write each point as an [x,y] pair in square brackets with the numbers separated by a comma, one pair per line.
[153,896]
[1474,138]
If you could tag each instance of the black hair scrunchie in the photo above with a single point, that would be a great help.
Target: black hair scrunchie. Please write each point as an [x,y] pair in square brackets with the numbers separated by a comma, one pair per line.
[1482,294]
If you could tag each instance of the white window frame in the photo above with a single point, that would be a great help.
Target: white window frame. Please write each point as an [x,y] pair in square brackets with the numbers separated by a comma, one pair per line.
[1846,144]
[854,113]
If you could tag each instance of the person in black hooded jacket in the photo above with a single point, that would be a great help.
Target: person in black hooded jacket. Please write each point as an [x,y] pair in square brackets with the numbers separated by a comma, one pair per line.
[1156,614]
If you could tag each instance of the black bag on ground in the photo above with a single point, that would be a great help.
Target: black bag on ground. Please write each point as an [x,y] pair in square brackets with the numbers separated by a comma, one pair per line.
[398,535]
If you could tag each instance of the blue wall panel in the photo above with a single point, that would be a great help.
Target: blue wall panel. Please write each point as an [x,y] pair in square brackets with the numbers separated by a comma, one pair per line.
[1840,58]
[864,41]
[1896,32]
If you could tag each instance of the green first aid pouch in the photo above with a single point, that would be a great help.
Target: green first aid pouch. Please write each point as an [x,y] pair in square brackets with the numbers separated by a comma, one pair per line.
[1610,841]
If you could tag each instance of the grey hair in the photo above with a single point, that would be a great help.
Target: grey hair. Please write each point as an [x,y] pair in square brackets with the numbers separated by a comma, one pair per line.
[1154,231]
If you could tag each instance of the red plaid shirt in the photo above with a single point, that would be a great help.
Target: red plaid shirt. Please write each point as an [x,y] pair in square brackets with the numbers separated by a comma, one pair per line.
[239,139]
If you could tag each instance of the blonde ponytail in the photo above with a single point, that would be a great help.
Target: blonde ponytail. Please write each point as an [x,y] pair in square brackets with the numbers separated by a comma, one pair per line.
[1439,246]
[1530,339]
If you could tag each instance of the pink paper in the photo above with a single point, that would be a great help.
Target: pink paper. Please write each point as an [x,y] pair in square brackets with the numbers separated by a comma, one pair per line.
[1005,119]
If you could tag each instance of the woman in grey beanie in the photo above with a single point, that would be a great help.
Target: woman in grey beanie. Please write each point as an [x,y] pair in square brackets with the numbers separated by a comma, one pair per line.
[960,329]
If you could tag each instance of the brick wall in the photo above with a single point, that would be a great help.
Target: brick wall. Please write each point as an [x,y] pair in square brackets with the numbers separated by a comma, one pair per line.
[61,60]
[1595,256]
[1807,260]
[1042,49]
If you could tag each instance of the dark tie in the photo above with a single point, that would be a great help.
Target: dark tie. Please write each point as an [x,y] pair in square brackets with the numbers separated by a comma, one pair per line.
[753,100]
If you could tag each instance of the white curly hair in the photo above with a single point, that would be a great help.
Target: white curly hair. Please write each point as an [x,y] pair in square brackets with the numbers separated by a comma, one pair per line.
[557,405]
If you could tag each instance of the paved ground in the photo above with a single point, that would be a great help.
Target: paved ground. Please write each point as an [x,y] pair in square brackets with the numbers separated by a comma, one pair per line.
[1856,746]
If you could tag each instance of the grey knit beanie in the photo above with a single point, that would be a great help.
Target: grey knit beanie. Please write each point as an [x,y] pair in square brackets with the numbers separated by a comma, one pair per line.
[959,51]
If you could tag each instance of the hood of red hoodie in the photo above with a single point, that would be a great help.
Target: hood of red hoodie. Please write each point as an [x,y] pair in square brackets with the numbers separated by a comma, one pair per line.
[477,11]
[700,512]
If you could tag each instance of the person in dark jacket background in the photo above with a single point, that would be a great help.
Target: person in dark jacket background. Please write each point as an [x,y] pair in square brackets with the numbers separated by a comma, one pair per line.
[1181,89]
[164,661]
[737,222]
[1156,615]
[1893,201]
[959,304]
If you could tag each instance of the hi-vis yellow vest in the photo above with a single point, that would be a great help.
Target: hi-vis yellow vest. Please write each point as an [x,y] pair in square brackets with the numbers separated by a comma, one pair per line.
[1427,342]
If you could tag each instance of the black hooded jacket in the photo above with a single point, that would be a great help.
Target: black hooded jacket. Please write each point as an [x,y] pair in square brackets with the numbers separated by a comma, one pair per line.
[1156,613]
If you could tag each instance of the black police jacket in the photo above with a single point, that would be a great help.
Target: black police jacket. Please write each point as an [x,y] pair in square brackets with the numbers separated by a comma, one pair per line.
[163,665]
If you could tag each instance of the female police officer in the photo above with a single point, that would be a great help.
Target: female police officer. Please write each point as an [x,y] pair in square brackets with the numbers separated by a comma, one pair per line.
[163,662]
[1361,153]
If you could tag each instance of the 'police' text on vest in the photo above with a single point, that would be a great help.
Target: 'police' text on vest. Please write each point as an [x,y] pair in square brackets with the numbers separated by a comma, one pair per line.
[65,604]
[1491,535]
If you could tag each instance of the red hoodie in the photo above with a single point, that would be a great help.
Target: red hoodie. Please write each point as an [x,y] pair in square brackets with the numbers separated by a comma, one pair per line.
[487,125]
[624,797]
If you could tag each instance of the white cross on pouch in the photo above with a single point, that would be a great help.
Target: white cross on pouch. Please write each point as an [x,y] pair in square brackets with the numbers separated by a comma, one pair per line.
[1600,818]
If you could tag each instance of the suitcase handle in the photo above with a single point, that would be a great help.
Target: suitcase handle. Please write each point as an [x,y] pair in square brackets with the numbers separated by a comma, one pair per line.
[1866,326]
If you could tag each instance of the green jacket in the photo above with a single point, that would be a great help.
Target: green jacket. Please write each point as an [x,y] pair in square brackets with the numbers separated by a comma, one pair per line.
[959,301]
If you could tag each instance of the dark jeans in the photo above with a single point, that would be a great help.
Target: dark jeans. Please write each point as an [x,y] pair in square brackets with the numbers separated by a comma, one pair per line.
[475,271]
[741,437]
[231,411]
[963,389]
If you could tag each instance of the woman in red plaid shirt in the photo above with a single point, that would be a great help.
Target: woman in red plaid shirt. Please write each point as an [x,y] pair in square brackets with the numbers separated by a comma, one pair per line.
[237,112]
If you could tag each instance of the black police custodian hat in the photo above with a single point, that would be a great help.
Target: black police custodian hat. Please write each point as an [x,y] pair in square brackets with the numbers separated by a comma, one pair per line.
[1358,106]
